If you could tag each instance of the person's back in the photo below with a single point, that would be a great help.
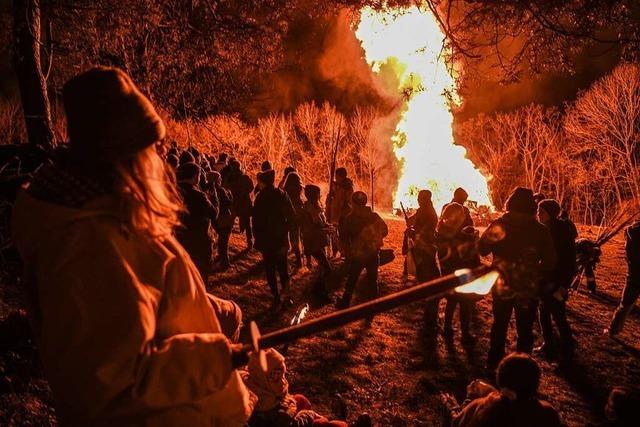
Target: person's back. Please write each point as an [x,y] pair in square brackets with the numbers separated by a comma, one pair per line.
[272,218]
[563,233]
[363,230]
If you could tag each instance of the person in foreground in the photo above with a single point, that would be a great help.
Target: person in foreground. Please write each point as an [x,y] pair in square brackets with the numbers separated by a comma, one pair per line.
[514,403]
[126,332]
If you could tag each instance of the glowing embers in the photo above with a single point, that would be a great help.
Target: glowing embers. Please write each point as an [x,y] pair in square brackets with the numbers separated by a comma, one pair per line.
[404,48]
[481,286]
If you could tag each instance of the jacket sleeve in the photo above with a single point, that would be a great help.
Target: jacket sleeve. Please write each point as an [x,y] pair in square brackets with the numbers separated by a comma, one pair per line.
[548,255]
[100,338]
[489,238]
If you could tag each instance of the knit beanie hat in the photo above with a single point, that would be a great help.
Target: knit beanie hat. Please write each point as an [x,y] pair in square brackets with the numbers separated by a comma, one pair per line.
[551,207]
[521,200]
[359,198]
[267,177]
[108,118]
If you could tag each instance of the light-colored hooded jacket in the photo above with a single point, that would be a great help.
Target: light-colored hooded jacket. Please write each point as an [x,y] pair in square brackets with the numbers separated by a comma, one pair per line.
[123,324]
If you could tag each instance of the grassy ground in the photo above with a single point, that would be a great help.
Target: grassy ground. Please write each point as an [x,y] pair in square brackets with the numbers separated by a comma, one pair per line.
[381,368]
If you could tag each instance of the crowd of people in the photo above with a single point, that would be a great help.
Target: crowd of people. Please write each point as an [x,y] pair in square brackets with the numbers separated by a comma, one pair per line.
[117,237]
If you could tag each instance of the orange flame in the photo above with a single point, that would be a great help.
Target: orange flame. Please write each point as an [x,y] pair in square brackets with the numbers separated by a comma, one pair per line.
[480,286]
[409,42]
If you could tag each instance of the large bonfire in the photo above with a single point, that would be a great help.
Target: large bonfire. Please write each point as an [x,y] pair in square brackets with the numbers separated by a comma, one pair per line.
[409,43]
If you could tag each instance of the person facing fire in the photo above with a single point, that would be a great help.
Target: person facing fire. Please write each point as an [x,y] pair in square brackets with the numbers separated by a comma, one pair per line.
[273,216]
[423,231]
[555,289]
[293,187]
[460,196]
[224,222]
[457,249]
[519,242]
[125,329]
[363,232]
[196,221]
[241,186]
[315,233]
[339,206]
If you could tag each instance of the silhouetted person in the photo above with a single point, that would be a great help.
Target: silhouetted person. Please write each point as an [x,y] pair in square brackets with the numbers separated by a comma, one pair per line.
[186,157]
[363,231]
[555,289]
[457,249]
[515,403]
[127,333]
[224,223]
[460,196]
[173,161]
[315,235]
[273,216]
[293,188]
[422,233]
[286,173]
[632,286]
[200,214]
[339,206]
[241,187]
[519,241]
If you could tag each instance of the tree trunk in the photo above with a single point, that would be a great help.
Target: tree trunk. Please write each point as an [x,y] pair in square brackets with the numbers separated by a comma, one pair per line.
[26,61]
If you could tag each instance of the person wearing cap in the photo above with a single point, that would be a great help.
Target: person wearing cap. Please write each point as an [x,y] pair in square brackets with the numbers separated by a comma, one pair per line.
[273,216]
[241,186]
[460,197]
[125,330]
[520,245]
[555,289]
[363,231]
[194,233]
[514,403]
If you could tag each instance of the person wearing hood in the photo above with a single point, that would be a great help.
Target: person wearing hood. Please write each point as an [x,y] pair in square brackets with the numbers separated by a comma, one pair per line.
[456,250]
[514,403]
[293,187]
[363,231]
[241,186]
[273,217]
[460,197]
[194,234]
[555,290]
[339,206]
[125,330]
[517,239]
[286,173]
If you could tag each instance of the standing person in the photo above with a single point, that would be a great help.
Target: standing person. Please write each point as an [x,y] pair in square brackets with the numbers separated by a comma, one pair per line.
[339,206]
[555,290]
[424,222]
[194,234]
[632,287]
[293,188]
[517,238]
[224,223]
[273,217]
[241,187]
[363,231]
[125,330]
[460,197]
[315,233]
[286,173]
[456,250]
[219,165]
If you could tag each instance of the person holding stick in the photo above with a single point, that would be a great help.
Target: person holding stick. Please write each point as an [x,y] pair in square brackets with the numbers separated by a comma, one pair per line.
[339,206]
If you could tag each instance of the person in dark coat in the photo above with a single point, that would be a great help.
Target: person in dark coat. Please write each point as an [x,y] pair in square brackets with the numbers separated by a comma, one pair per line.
[460,197]
[273,216]
[339,206]
[456,249]
[515,403]
[632,287]
[363,231]
[555,290]
[200,213]
[286,173]
[315,235]
[422,233]
[293,188]
[517,240]
[224,223]
[241,187]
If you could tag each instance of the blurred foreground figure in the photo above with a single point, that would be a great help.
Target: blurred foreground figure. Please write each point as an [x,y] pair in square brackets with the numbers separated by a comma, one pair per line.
[125,329]
[632,287]
[517,239]
[362,231]
[515,403]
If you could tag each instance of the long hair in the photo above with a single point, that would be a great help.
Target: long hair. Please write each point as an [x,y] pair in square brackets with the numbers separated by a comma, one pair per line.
[146,190]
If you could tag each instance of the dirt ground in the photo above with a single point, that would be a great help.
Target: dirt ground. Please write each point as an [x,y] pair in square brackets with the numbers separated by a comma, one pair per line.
[380,368]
